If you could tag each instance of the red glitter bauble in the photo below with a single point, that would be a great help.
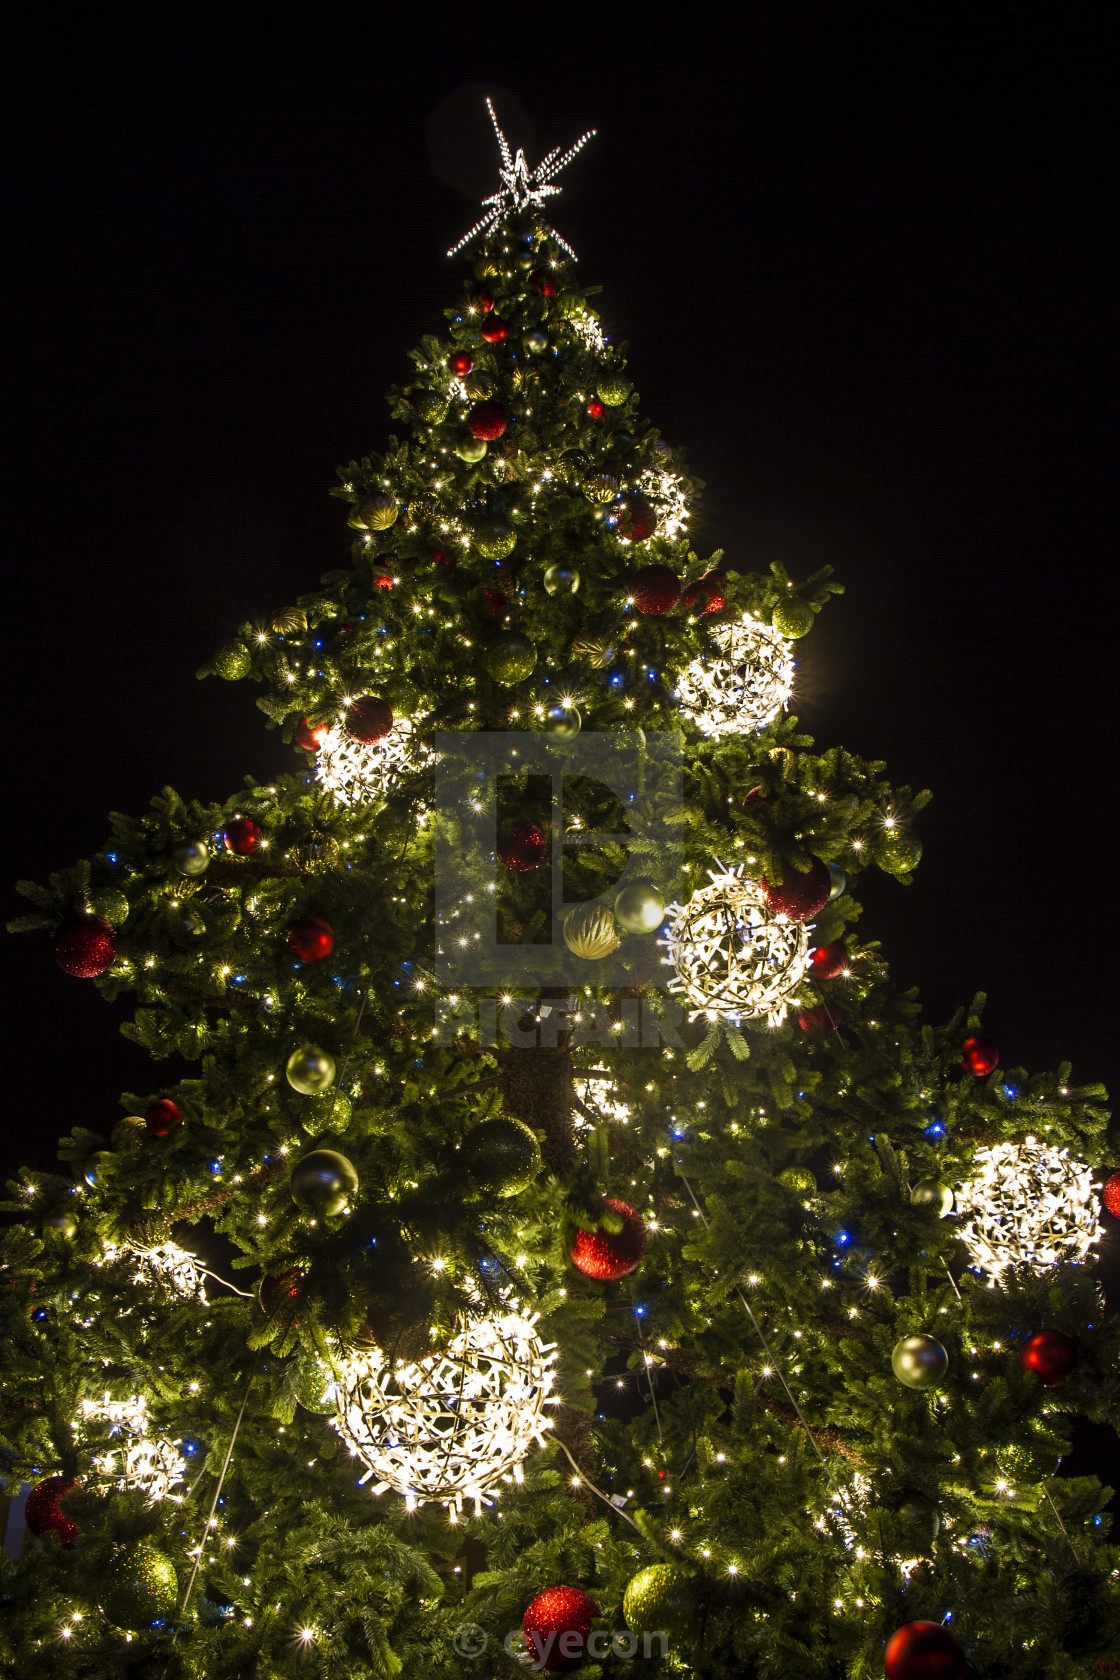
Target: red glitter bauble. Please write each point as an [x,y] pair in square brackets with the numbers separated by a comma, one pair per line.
[542,282]
[556,1626]
[1111,1194]
[309,736]
[284,1286]
[483,301]
[43,1512]
[369,719]
[384,580]
[242,836]
[494,330]
[85,947]
[609,1255]
[705,595]
[829,961]
[799,896]
[825,1015]
[596,409]
[487,420]
[460,363]
[162,1117]
[640,522]
[311,939]
[979,1056]
[924,1651]
[524,848]
[656,589]
[1049,1354]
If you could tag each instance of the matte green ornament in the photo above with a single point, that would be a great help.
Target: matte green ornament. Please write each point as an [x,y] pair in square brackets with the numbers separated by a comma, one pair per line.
[561,723]
[612,390]
[793,618]
[662,1598]
[639,908]
[510,657]
[60,1222]
[494,540]
[471,449]
[800,1180]
[144,1589]
[501,1155]
[590,931]
[930,1192]
[898,852]
[323,1183]
[922,1520]
[315,1388]
[310,1070]
[111,905]
[432,408]
[192,857]
[233,661]
[561,579]
[331,1110]
[130,1133]
[920,1362]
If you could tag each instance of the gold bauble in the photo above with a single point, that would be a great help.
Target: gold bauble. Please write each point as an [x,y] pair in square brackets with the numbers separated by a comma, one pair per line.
[590,931]
[478,384]
[310,1070]
[597,654]
[601,487]
[375,513]
[920,1362]
[130,1132]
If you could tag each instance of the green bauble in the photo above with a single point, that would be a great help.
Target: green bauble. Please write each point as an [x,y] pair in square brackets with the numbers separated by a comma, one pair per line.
[111,905]
[375,513]
[501,1155]
[130,1133]
[639,908]
[60,1223]
[920,1362]
[800,1180]
[510,657]
[930,1192]
[898,852]
[495,540]
[192,857]
[310,1070]
[662,1598]
[560,723]
[315,1387]
[561,579]
[590,931]
[323,1183]
[98,1167]
[143,1591]
[233,661]
[612,390]
[793,618]
[471,449]
[922,1520]
[432,408]
[332,1110]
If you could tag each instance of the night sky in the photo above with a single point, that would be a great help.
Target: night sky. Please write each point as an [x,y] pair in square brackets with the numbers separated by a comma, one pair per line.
[866,281]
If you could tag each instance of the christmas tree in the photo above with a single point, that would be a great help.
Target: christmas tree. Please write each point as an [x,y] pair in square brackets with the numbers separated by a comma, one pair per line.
[631,1274]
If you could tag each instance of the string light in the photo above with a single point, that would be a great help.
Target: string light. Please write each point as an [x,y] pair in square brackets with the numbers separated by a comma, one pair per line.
[166,1263]
[522,188]
[732,956]
[1028,1205]
[135,1459]
[355,772]
[744,686]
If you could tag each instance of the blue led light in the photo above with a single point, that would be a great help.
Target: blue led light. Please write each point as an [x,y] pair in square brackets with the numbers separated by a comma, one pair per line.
[936,1130]
[678,1131]
[1010,1091]
[843,1236]
[639,1312]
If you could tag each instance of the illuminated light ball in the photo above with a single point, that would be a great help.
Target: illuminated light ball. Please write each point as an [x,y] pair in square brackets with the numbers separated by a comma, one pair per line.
[482,301]
[793,618]
[501,1155]
[732,956]
[192,857]
[639,908]
[487,420]
[656,589]
[162,1117]
[742,684]
[523,848]
[596,409]
[283,1288]
[323,1183]
[543,283]
[799,1179]
[375,513]
[242,836]
[561,579]
[144,1589]
[111,905]
[799,895]
[1110,1195]
[661,1598]
[369,719]
[979,1056]
[924,1651]
[510,658]
[590,931]
[43,1512]
[930,1192]
[309,735]
[920,1362]
[560,723]
[610,1255]
[471,449]
[1050,1355]
[60,1222]
[704,595]
[613,391]
[460,363]
[85,947]
[232,661]
[494,540]
[639,521]
[310,1071]
[494,330]
[311,939]
[825,1015]
[828,962]
[555,1627]
[839,881]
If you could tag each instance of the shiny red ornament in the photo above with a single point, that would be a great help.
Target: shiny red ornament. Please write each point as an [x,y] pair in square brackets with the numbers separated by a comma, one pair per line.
[800,895]
[242,836]
[979,1056]
[1110,1195]
[284,1286]
[1049,1354]
[556,1625]
[704,595]
[829,961]
[384,580]
[309,735]
[542,282]
[494,330]
[487,420]
[43,1512]
[460,363]
[656,589]
[640,522]
[85,947]
[162,1117]
[924,1651]
[311,939]
[596,409]
[483,301]
[369,719]
[524,848]
[825,1015]
[610,1255]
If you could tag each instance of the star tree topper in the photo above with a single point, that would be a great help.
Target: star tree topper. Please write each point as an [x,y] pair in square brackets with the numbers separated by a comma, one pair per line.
[521,186]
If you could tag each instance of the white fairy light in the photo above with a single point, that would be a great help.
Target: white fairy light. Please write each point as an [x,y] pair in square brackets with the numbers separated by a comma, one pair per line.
[135,1459]
[601,1097]
[1028,1205]
[745,685]
[456,1424]
[664,487]
[355,772]
[176,1268]
[523,188]
[733,957]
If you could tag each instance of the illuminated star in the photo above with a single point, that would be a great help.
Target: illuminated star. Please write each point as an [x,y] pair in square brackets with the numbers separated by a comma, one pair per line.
[522,188]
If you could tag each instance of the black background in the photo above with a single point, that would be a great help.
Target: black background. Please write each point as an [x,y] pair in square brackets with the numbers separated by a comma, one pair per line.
[863,267]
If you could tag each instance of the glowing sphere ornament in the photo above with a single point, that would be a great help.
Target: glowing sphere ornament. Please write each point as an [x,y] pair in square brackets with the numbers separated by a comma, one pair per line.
[510,658]
[359,772]
[233,661]
[610,1255]
[323,1183]
[793,618]
[561,722]
[662,1597]
[555,1628]
[1028,1205]
[455,1425]
[471,449]
[309,735]
[704,595]
[828,962]
[375,513]
[826,1016]
[494,329]
[924,1651]
[487,420]
[242,836]
[1050,1354]
[920,1362]
[501,1155]
[523,847]
[131,1454]
[561,579]
[744,685]
[144,1588]
[310,1070]
[314,1385]
[85,947]
[43,1512]
[656,589]
[733,957]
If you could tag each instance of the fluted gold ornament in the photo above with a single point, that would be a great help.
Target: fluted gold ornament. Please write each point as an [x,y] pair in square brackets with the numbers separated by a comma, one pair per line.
[590,931]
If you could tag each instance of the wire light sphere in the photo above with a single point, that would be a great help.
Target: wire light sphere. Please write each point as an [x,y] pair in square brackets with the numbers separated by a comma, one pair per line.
[455,1425]
[1029,1205]
[599,1096]
[357,773]
[176,1269]
[733,957]
[135,1459]
[745,685]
